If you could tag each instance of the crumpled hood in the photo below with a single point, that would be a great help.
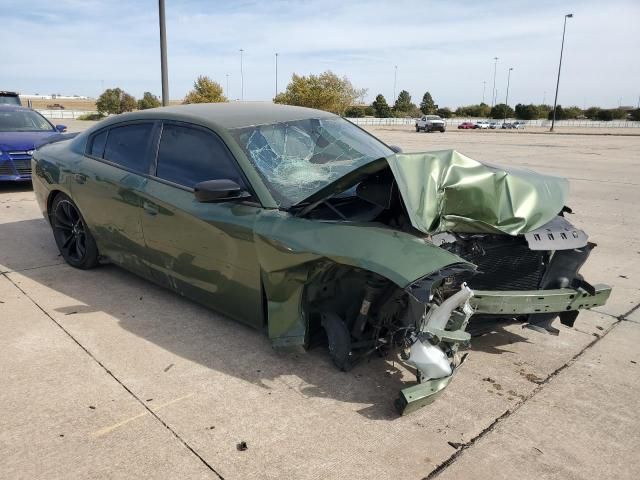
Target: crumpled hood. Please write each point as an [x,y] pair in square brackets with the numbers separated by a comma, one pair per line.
[447,191]
[10,141]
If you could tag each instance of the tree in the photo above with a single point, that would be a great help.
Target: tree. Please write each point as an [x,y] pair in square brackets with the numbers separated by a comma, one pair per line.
[205,90]
[502,110]
[355,111]
[573,112]
[445,112]
[427,106]
[381,107]
[148,100]
[612,114]
[115,100]
[561,113]
[635,114]
[403,104]
[127,102]
[526,112]
[369,111]
[592,112]
[326,92]
[481,110]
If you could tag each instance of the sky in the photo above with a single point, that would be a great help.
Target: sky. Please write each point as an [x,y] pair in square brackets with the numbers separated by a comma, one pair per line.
[444,47]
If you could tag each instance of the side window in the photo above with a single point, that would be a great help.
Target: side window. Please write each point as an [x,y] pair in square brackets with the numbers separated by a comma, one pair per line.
[128,146]
[97,144]
[187,156]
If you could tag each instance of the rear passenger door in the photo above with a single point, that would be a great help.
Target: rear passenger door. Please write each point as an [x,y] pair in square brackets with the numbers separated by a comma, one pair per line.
[106,187]
[204,251]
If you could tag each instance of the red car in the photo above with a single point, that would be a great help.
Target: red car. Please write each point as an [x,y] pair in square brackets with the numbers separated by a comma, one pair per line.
[465,125]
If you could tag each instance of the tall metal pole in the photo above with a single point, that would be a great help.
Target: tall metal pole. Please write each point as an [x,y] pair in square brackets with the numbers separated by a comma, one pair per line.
[395,79]
[493,92]
[241,77]
[544,97]
[227,90]
[506,100]
[484,88]
[276,73]
[555,101]
[163,55]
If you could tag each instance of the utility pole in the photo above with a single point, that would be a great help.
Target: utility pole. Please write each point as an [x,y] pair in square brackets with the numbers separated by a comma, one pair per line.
[484,87]
[555,101]
[506,100]
[544,97]
[276,73]
[395,78]
[241,77]
[227,90]
[163,55]
[493,92]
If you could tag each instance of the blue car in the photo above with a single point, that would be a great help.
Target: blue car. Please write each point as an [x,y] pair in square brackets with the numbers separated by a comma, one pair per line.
[21,131]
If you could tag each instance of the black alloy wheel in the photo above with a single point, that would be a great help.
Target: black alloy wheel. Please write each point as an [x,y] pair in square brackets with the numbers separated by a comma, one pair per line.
[72,236]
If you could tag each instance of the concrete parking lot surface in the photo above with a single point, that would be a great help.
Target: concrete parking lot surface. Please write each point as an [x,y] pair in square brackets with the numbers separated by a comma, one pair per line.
[104,375]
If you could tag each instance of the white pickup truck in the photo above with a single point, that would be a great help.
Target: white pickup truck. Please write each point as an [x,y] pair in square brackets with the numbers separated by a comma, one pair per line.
[429,123]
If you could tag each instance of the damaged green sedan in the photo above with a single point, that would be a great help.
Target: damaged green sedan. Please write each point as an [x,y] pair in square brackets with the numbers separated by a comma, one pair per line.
[298,222]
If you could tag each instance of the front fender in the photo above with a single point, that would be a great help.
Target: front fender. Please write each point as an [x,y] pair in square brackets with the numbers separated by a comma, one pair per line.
[289,248]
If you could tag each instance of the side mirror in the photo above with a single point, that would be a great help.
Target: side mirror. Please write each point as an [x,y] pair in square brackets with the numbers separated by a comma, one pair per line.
[219,191]
[61,128]
[395,148]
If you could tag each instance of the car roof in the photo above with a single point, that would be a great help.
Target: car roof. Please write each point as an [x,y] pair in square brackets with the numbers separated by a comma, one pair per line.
[13,108]
[227,115]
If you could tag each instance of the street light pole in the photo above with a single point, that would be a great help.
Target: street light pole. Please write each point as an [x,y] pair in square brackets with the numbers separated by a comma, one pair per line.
[506,100]
[241,77]
[493,92]
[555,101]
[395,78]
[163,55]
[484,88]
[276,73]
[227,90]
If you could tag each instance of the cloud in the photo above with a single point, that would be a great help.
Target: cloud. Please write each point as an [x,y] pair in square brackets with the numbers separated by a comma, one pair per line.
[77,46]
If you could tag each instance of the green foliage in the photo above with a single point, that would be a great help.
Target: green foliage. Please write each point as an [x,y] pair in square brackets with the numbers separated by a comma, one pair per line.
[115,100]
[592,112]
[445,112]
[381,107]
[560,113]
[619,114]
[481,110]
[635,114]
[611,114]
[90,116]
[403,105]
[356,111]
[526,112]
[147,101]
[543,110]
[427,106]
[326,92]
[502,110]
[205,90]
[369,111]
[573,112]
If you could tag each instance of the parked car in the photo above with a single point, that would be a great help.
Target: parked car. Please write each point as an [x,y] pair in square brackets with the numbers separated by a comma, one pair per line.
[482,124]
[430,123]
[466,125]
[506,125]
[494,125]
[21,130]
[295,221]
[518,124]
[9,98]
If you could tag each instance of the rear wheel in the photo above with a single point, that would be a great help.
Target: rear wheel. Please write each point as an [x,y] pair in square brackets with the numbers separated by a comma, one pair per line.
[417,128]
[75,242]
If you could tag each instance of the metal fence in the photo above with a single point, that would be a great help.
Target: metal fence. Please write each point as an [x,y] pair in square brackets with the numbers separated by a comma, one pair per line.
[70,114]
[454,122]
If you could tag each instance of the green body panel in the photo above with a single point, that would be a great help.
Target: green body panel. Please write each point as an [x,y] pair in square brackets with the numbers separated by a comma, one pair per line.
[538,301]
[289,248]
[417,396]
[447,191]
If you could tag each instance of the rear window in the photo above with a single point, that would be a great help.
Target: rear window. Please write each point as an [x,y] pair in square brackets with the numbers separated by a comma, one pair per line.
[128,146]
[97,145]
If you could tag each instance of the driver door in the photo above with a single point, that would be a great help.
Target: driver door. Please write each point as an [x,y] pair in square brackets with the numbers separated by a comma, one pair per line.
[204,251]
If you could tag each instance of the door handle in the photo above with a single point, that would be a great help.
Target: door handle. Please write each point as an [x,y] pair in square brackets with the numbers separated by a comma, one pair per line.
[80,178]
[150,209]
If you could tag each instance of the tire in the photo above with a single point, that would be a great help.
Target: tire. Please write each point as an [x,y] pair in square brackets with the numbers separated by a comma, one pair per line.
[339,339]
[76,244]
[417,128]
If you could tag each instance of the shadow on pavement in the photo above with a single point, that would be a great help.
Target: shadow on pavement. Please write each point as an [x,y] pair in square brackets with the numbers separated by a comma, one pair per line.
[192,332]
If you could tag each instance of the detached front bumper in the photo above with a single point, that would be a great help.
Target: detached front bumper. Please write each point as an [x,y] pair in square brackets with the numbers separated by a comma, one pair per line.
[525,302]
[512,303]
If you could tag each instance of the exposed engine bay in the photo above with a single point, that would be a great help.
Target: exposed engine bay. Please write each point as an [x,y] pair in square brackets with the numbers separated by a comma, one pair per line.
[430,321]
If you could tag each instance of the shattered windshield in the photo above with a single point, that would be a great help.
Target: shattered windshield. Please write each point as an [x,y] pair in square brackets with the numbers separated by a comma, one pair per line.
[296,159]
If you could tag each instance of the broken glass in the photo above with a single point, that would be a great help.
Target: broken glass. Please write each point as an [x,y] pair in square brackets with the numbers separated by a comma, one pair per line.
[296,159]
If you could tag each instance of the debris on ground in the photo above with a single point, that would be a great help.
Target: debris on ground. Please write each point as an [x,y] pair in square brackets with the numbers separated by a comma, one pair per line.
[241,446]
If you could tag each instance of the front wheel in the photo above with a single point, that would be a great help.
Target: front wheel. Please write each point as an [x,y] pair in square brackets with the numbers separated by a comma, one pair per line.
[75,242]
[417,128]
